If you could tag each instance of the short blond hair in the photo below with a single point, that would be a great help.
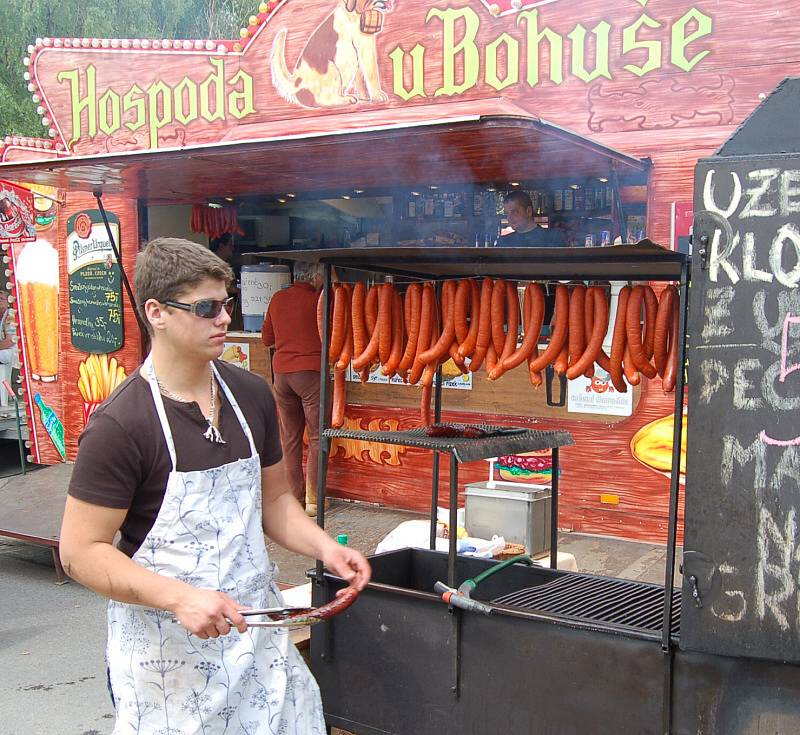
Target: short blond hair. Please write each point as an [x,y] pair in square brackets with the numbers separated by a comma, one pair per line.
[169,266]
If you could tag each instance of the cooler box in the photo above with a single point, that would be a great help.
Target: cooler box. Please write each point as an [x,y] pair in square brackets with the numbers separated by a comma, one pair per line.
[259,284]
[518,512]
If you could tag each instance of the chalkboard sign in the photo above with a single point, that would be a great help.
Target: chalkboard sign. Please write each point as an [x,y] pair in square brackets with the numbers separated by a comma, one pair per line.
[95,286]
[741,591]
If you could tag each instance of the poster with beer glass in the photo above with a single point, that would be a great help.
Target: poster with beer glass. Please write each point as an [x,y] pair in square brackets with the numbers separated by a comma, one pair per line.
[95,285]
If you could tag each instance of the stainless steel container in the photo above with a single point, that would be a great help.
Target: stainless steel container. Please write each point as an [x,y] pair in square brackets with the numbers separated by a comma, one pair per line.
[520,513]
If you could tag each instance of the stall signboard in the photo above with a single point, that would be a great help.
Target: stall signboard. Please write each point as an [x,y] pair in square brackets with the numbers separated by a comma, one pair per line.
[453,379]
[664,79]
[95,284]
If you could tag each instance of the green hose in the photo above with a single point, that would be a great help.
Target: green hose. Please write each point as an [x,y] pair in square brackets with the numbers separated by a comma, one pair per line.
[473,583]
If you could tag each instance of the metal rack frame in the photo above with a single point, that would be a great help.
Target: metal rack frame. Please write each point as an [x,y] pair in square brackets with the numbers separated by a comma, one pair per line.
[642,262]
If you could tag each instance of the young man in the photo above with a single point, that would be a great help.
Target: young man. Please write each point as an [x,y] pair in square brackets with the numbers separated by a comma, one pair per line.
[518,209]
[290,325]
[184,461]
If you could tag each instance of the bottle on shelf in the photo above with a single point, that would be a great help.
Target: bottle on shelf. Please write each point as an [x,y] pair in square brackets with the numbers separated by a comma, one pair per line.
[411,210]
[558,200]
[449,208]
[569,200]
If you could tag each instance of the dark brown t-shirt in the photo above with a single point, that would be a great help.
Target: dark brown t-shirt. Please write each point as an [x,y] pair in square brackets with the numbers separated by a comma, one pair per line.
[123,460]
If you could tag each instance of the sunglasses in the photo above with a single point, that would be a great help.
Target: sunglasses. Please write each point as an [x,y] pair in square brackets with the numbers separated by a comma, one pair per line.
[205,308]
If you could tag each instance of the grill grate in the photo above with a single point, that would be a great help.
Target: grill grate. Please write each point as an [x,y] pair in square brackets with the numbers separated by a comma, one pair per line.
[499,440]
[619,601]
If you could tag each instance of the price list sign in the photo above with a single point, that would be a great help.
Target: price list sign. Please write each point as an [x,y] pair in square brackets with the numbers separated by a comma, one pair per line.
[95,285]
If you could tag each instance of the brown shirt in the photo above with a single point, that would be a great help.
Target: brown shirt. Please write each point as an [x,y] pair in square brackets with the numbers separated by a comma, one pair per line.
[123,461]
[291,325]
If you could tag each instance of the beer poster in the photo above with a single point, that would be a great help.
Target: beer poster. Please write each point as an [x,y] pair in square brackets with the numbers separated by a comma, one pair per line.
[36,287]
[95,286]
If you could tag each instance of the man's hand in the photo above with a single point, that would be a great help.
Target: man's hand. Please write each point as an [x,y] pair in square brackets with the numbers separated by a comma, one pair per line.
[348,564]
[203,613]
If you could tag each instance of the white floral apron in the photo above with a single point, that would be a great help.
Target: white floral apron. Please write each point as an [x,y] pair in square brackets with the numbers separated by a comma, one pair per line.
[165,681]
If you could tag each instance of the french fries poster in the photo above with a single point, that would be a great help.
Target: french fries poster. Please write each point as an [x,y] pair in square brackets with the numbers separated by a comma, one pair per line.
[98,377]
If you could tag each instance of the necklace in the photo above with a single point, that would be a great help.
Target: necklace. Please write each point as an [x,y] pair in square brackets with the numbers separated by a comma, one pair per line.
[212,432]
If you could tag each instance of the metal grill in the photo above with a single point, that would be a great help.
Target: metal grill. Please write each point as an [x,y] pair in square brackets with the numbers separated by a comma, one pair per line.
[499,440]
[618,601]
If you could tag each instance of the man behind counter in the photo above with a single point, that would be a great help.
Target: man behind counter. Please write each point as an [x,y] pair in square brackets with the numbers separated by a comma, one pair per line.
[518,209]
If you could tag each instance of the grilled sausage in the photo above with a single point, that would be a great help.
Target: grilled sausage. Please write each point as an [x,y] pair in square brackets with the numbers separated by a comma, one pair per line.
[484,326]
[339,398]
[558,338]
[663,323]
[385,300]
[425,329]
[532,319]
[671,370]
[629,368]
[390,367]
[425,405]
[413,301]
[360,337]
[498,315]
[463,294]
[650,312]
[618,342]
[467,347]
[338,333]
[512,330]
[371,308]
[577,335]
[633,333]
[347,349]
[442,345]
[599,328]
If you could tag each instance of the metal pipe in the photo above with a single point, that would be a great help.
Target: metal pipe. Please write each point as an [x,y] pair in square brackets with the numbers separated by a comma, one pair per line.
[98,195]
[674,490]
[437,417]
[451,557]
[324,442]
[554,511]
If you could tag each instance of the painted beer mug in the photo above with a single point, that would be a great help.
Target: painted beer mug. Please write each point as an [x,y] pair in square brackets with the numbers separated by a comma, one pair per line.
[37,290]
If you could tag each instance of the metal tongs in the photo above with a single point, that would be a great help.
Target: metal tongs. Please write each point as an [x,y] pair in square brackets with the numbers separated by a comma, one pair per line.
[281,617]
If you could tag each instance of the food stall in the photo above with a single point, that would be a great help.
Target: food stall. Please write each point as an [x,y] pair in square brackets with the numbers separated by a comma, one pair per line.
[476,96]
[468,97]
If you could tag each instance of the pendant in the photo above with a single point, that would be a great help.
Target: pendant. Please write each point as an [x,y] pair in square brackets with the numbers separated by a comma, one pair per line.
[213,435]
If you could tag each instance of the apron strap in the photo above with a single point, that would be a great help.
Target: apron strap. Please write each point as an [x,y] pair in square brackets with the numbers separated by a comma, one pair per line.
[150,372]
[238,411]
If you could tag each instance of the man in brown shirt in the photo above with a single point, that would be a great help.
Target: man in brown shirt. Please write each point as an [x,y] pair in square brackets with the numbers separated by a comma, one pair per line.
[291,326]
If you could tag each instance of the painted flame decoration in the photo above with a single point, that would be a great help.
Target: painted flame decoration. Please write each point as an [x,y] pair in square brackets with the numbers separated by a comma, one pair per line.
[368,452]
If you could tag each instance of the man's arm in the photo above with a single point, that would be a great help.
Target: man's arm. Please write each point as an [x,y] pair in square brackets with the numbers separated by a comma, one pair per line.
[267,331]
[88,556]
[286,523]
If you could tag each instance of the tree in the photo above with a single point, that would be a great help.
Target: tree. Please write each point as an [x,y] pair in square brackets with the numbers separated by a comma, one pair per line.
[22,21]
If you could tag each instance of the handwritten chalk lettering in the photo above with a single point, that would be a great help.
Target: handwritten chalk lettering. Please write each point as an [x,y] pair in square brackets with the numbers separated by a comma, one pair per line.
[788,302]
[787,235]
[786,477]
[774,392]
[742,385]
[709,195]
[734,454]
[786,368]
[790,193]
[717,313]
[749,270]
[775,582]
[719,258]
[735,603]
[754,204]
[715,375]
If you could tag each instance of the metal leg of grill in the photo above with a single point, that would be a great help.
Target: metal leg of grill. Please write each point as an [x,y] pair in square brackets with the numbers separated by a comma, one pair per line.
[451,573]
[554,512]
[324,442]
[437,417]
